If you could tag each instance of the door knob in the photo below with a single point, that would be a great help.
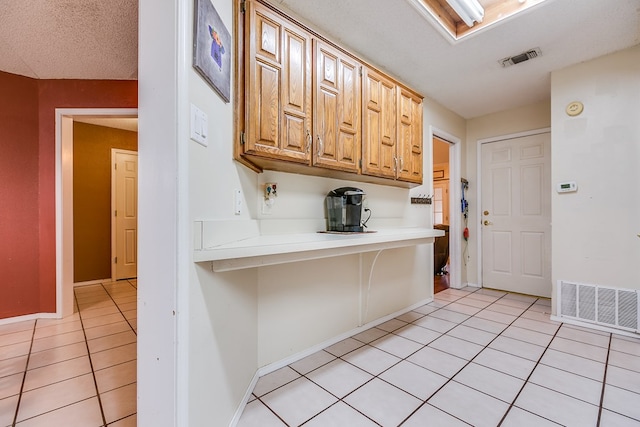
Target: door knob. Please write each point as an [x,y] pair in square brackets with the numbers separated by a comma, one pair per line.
[487,222]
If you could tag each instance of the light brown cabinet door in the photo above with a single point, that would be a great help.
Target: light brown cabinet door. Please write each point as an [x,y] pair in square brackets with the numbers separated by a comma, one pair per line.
[409,137]
[379,125]
[337,106]
[279,87]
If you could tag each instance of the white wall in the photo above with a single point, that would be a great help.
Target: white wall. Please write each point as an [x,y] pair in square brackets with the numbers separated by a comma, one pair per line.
[530,117]
[220,309]
[203,335]
[595,230]
[160,162]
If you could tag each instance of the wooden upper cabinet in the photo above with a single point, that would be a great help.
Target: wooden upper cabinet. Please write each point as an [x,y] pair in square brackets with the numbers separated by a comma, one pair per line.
[409,137]
[278,67]
[379,125]
[306,105]
[337,109]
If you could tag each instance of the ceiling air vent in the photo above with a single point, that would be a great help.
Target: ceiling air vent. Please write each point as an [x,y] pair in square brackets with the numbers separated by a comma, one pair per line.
[524,56]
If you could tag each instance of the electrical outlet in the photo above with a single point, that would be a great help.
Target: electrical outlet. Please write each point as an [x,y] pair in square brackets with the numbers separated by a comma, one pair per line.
[237,202]
[270,190]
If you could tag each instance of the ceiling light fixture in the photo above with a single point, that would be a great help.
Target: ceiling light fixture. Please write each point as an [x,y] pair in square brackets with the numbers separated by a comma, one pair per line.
[469,11]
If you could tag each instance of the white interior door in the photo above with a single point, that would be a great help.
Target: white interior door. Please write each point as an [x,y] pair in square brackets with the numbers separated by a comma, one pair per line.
[516,214]
[125,214]
[441,202]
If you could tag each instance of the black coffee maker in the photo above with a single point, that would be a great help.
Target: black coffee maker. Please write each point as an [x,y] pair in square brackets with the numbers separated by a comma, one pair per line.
[344,209]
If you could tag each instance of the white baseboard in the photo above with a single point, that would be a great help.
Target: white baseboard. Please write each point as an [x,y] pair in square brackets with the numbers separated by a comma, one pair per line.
[473,285]
[594,326]
[267,369]
[245,400]
[92,282]
[25,317]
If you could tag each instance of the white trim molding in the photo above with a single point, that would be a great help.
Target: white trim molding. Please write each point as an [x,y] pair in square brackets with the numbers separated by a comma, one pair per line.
[64,197]
[479,184]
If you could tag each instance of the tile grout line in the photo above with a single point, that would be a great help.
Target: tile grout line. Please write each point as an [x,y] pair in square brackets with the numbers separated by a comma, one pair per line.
[272,411]
[405,359]
[604,380]
[118,306]
[24,376]
[527,381]
[470,360]
[401,359]
[93,372]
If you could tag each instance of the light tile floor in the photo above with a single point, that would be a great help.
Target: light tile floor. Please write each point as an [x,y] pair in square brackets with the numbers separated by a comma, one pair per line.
[471,357]
[77,371]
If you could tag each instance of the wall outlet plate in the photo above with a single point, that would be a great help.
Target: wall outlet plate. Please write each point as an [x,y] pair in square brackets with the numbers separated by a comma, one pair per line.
[237,202]
[270,190]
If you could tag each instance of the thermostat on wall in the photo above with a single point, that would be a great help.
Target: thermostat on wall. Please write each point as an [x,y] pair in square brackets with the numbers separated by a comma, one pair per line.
[567,187]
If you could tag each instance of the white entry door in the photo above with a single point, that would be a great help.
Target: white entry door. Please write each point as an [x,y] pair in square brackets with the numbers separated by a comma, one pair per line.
[125,214]
[516,214]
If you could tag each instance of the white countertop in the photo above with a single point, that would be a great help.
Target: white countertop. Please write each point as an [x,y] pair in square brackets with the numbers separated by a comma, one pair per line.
[277,249]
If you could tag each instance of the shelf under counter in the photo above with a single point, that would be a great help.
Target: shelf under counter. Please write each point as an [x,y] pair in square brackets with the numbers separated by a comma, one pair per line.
[266,250]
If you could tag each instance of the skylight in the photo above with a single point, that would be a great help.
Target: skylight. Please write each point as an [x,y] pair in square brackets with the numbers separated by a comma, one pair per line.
[461,18]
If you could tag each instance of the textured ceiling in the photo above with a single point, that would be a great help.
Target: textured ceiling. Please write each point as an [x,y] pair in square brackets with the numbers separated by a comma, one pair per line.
[466,77]
[89,39]
[69,39]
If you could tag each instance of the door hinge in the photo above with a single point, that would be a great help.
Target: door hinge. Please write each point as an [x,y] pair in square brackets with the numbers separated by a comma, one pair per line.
[242,6]
[242,139]
[115,213]
[115,166]
[115,260]
[361,71]
[360,163]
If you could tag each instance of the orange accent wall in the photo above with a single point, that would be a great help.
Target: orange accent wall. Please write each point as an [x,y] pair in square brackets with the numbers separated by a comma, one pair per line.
[92,197]
[27,198]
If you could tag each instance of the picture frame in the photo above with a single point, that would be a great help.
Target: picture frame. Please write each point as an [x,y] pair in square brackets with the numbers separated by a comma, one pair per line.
[212,48]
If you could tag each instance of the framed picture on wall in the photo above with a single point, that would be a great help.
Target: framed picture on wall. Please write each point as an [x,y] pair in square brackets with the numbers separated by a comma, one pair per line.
[212,48]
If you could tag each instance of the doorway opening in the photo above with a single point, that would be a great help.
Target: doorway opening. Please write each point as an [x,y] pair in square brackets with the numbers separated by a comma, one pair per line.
[446,195]
[441,214]
[64,196]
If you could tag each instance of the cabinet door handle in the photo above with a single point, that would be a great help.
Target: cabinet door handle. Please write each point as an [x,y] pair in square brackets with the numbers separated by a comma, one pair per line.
[320,146]
[401,164]
[395,164]
[308,138]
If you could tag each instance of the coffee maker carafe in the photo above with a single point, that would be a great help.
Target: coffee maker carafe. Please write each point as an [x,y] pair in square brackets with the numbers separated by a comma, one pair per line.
[344,209]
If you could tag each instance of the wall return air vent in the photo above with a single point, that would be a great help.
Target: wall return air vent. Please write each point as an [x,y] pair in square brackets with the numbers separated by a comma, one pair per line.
[524,56]
[602,305]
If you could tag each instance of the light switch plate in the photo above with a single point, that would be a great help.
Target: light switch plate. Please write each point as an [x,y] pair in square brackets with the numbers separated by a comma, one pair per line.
[199,125]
